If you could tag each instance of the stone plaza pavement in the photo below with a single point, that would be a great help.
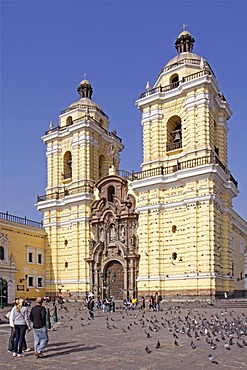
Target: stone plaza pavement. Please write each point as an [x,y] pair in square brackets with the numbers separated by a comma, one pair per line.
[122,340]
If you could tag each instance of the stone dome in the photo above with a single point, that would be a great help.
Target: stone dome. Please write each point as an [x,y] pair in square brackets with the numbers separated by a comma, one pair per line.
[85,82]
[183,33]
[182,56]
[85,102]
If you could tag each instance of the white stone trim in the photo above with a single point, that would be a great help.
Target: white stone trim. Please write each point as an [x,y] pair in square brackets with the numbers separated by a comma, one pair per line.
[56,203]
[67,223]
[199,276]
[84,139]
[72,281]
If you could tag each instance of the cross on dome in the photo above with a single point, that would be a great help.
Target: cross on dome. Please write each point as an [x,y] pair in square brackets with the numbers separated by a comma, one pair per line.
[184,27]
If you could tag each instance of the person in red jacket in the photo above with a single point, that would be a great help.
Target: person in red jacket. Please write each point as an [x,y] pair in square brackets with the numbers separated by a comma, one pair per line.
[38,318]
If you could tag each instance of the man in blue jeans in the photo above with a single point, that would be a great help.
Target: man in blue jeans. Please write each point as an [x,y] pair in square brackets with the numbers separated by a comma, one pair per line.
[38,318]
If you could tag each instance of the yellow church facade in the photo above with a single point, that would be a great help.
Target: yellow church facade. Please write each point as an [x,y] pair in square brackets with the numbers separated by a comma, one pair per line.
[170,228]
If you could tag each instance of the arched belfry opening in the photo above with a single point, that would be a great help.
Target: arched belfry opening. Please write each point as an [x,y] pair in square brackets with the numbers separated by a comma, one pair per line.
[174,133]
[174,80]
[113,250]
[67,165]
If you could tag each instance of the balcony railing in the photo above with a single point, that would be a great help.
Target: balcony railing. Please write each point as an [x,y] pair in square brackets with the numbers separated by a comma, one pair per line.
[158,171]
[173,146]
[20,220]
[67,175]
[164,89]
[78,120]
[61,193]
[191,163]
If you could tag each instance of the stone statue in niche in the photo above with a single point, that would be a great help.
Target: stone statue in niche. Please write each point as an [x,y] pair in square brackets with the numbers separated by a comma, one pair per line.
[122,234]
[91,245]
[112,232]
[101,235]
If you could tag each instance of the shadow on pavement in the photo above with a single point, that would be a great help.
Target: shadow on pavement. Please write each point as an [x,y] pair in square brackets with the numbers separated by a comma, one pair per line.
[72,350]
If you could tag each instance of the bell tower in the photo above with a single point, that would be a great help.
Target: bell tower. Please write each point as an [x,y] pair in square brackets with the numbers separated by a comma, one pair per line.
[185,188]
[77,157]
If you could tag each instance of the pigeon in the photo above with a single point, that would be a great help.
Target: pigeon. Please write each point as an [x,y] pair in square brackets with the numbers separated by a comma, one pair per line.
[176,343]
[147,350]
[193,346]
[157,345]
[227,346]
[212,359]
[239,345]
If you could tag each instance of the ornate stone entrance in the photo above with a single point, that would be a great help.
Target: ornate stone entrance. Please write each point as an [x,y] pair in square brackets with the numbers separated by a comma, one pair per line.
[113,251]
[113,280]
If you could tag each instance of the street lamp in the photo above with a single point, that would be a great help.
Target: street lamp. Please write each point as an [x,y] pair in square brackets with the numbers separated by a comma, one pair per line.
[3,286]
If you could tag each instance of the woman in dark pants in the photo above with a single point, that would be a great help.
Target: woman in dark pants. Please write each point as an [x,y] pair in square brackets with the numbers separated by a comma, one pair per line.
[21,323]
[12,332]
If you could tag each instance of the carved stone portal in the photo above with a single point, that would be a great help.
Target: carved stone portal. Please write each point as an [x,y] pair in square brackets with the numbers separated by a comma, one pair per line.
[113,250]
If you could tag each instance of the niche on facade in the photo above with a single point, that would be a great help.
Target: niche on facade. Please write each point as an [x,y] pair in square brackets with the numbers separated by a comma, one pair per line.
[110,193]
[67,165]
[174,133]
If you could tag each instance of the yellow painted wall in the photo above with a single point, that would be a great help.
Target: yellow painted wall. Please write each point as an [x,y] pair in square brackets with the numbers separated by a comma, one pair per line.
[23,239]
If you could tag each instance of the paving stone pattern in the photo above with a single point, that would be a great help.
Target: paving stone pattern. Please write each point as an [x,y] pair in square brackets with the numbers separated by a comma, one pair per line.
[186,334]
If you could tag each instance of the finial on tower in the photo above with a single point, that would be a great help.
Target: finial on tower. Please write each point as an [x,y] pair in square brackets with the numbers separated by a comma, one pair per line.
[184,42]
[85,89]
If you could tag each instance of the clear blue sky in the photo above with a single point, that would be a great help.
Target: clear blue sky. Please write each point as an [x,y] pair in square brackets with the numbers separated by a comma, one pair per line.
[47,46]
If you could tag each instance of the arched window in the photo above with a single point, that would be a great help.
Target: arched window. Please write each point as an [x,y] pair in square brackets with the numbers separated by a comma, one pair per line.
[1,253]
[174,81]
[67,165]
[69,121]
[174,133]
[110,194]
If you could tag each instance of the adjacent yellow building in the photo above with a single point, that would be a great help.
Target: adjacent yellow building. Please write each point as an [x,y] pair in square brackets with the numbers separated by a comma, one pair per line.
[22,257]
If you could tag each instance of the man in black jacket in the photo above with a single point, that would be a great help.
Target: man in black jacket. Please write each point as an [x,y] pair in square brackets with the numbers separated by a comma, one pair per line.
[38,318]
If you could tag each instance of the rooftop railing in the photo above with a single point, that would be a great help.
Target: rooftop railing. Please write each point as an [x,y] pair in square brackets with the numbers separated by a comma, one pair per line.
[78,120]
[20,220]
[164,89]
[84,106]
[191,163]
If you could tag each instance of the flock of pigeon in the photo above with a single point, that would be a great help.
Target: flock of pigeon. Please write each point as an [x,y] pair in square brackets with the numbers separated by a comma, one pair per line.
[190,326]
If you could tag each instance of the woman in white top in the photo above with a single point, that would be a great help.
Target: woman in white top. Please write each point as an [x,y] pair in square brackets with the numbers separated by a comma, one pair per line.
[21,323]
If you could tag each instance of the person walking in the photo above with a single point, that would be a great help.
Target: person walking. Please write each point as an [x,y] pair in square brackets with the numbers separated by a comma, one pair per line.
[21,324]
[143,303]
[38,318]
[12,331]
[90,306]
